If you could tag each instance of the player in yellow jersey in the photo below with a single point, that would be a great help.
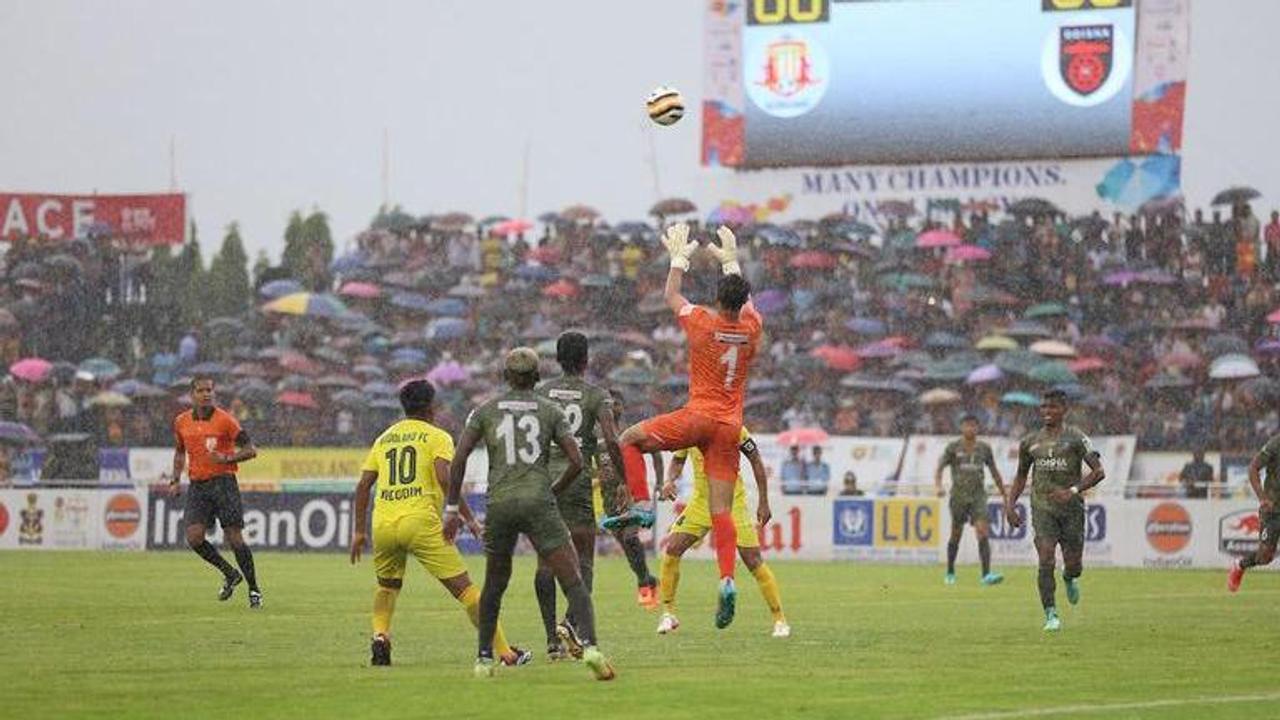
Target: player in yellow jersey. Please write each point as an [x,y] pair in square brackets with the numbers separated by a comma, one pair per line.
[409,463]
[695,522]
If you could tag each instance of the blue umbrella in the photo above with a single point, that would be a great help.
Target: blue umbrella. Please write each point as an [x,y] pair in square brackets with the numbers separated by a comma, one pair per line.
[942,340]
[101,368]
[347,263]
[208,368]
[775,235]
[770,301]
[409,353]
[411,301]
[1020,398]
[279,288]
[447,329]
[865,326]
[447,307]
[537,273]
[378,388]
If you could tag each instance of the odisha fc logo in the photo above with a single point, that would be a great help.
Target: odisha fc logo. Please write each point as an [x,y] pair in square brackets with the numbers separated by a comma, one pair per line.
[1084,56]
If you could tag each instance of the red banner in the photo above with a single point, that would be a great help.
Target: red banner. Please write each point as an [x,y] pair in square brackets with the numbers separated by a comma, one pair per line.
[138,219]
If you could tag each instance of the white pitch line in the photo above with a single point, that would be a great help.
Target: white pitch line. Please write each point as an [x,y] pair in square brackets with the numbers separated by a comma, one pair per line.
[1091,709]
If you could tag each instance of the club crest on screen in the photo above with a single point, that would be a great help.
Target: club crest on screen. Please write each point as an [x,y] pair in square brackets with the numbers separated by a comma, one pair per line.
[1085,54]
[786,74]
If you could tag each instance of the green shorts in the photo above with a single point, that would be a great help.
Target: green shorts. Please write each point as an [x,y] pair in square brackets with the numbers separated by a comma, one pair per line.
[577,506]
[538,518]
[1063,524]
[968,509]
[1269,530]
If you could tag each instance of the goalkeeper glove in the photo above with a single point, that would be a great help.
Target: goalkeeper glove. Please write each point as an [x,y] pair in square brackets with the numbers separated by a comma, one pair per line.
[678,246]
[727,251]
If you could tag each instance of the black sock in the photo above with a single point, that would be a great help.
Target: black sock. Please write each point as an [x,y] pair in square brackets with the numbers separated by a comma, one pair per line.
[984,554]
[584,615]
[1248,561]
[1069,574]
[1047,587]
[214,558]
[544,586]
[244,558]
[953,548]
[490,605]
[636,559]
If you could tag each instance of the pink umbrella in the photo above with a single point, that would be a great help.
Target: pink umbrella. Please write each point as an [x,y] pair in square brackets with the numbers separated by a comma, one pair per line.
[937,239]
[31,369]
[1274,317]
[298,363]
[513,227]
[562,289]
[298,400]
[803,436]
[838,357]
[1087,364]
[448,373]
[1185,360]
[813,260]
[967,253]
[546,255]
[362,290]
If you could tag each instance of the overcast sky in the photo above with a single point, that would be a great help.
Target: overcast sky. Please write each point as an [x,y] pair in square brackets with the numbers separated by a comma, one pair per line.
[283,105]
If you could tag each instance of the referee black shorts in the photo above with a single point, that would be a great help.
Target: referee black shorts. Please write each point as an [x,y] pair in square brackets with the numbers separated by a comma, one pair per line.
[218,497]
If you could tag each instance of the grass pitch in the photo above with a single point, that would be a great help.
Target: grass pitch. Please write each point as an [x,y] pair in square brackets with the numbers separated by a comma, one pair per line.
[141,635]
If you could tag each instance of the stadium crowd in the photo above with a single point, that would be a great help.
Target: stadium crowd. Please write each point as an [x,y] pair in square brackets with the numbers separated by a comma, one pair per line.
[1158,324]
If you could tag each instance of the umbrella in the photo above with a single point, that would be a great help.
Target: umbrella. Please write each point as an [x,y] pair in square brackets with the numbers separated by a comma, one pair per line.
[1020,398]
[595,280]
[938,239]
[297,400]
[415,302]
[1087,364]
[534,272]
[672,206]
[1233,366]
[1274,316]
[228,325]
[447,329]
[454,220]
[1262,389]
[1054,372]
[1033,206]
[774,235]
[337,381]
[942,340]
[1183,360]
[984,374]
[838,357]
[771,301]
[379,388]
[879,349]
[15,433]
[1045,309]
[997,342]
[362,290]
[279,288]
[938,396]
[812,260]
[562,289]
[1026,328]
[1053,348]
[208,368]
[803,436]
[138,389]
[512,227]
[577,213]
[635,230]
[1225,344]
[1018,362]
[100,367]
[1237,194]
[466,290]
[865,326]
[110,399]
[1168,205]
[967,253]
[905,280]
[369,372]
[346,263]
[307,305]
[348,398]
[848,228]
[1167,381]
[255,391]
[870,383]
[448,373]
[64,262]
[447,307]
[991,297]
[298,363]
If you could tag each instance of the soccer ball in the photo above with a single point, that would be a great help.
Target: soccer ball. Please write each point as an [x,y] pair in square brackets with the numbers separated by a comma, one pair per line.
[665,105]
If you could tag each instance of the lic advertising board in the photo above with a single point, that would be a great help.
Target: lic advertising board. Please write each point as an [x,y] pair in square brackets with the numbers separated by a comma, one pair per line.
[886,529]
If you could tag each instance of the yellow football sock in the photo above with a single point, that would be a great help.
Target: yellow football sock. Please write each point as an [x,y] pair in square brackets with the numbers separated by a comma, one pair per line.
[470,599]
[769,589]
[670,579]
[384,604]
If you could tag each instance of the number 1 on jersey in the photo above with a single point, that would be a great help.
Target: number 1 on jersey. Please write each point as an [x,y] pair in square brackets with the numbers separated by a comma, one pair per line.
[730,360]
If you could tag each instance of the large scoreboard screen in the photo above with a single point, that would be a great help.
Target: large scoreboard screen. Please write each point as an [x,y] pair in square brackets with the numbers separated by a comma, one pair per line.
[829,82]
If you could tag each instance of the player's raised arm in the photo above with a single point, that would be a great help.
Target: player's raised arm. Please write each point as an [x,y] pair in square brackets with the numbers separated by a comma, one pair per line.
[361,534]
[457,472]
[676,240]
[763,512]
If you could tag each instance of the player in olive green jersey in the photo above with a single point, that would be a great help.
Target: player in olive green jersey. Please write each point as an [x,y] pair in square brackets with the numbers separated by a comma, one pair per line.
[518,428]
[409,464]
[587,408]
[1054,455]
[1268,517]
[969,458]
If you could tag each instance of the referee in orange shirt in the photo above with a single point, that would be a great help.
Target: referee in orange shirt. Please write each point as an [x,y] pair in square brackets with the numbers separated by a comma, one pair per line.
[213,442]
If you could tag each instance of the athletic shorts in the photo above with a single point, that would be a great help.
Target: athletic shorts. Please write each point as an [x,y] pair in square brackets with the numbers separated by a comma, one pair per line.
[218,497]
[695,520]
[418,535]
[717,440]
[1063,524]
[576,503]
[1269,530]
[538,518]
[968,510]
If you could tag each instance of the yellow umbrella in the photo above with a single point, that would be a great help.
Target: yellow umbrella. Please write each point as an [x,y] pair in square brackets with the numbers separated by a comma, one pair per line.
[1053,348]
[997,342]
[308,304]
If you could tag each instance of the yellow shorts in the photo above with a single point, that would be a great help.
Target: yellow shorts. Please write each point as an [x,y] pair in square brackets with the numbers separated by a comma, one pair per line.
[421,536]
[695,520]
